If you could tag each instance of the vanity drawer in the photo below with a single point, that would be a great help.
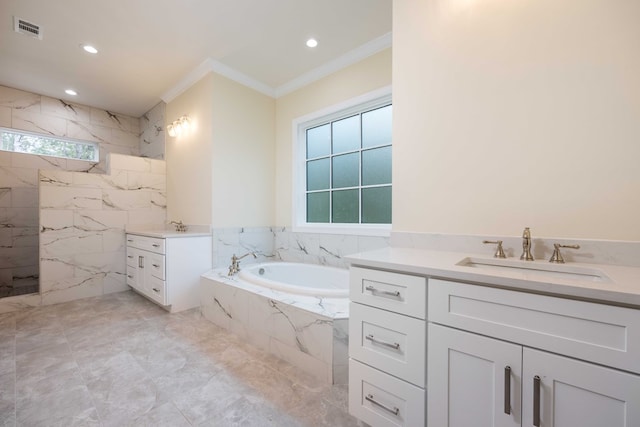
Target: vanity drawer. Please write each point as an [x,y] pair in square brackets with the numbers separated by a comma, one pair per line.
[152,244]
[594,332]
[388,341]
[155,263]
[400,293]
[382,400]
[132,257]
[131,276]
[156,289]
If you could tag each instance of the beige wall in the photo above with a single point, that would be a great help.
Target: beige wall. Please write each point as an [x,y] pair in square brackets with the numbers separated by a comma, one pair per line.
[365,76]
[243,155]
[189,157]
[222,172]
[517,113]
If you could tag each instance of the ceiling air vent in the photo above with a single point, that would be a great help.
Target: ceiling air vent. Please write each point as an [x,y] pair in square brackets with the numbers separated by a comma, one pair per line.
[28,28]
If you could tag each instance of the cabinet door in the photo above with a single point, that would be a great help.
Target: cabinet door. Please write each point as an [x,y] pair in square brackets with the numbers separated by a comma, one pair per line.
[575,393]
[472,380]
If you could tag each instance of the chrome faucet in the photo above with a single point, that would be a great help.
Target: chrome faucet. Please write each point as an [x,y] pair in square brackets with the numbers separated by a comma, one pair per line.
[235,262]
[526,245]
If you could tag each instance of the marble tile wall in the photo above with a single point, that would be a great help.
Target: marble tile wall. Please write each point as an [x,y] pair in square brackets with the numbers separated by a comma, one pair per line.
[82,225]
[152,132]
[282,244]
[27,111]
[115,133]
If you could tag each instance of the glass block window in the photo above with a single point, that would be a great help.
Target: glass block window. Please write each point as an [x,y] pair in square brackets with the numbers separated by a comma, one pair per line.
[348,168]
[48,145]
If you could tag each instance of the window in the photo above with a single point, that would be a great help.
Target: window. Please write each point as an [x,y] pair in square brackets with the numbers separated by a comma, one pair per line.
[345,166]
[48,145]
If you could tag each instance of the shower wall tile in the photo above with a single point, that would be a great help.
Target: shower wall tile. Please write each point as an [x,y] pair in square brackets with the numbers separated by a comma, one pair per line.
[19,181]
[152,132]
[63,109]
[83,218]
[36,122]
[5,117]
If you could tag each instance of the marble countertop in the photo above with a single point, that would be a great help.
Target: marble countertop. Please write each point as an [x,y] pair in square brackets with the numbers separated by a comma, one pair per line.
[166,233]
[621,285]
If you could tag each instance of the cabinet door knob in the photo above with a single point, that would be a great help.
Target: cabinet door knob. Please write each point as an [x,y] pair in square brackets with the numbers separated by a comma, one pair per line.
[507,390]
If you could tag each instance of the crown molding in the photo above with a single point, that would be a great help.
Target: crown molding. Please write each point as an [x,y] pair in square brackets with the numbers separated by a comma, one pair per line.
[211,65]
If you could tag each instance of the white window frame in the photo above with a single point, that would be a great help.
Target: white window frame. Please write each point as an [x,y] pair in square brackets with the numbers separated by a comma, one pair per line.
[370,100]
[56,137]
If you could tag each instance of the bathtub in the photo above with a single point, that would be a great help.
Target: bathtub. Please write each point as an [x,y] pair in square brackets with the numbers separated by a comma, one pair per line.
[299,279]
[297,312]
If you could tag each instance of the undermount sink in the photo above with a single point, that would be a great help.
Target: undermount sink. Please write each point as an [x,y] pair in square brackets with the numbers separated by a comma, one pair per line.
[539,269]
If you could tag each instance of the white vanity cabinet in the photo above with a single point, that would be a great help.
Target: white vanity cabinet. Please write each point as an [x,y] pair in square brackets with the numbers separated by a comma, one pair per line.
[498,357]
[387,347]
[167,269]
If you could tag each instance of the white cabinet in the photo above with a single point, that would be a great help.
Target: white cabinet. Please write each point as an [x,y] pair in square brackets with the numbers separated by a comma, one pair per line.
[167,270]
[499,383]
[387,347]
[473,380]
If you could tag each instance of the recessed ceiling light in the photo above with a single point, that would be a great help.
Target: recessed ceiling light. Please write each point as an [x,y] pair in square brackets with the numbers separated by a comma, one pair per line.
[89,48]
[312,43]
[71,92]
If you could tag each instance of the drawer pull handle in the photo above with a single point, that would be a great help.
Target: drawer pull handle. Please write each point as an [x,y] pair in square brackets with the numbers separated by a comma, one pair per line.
[129,276]
[156,290]
[156,265]
[394,346]
[507,390]
[395,411]
[130,256]
[378,291]
[155,245]
[536,401]
[129,240]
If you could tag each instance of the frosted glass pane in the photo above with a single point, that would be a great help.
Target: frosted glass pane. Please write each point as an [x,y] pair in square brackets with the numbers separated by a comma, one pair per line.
[376,166]
[345,170]
[346,134]
[318,207]
[376,127]
[345,206]
[318,174]
[376,205]
[319,141]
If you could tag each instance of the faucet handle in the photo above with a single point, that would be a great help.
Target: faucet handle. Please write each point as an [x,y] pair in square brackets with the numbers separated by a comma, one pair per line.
[499,251]
[557,256]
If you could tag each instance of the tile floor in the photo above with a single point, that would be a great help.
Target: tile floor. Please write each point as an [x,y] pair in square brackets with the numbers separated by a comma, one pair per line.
[119,360]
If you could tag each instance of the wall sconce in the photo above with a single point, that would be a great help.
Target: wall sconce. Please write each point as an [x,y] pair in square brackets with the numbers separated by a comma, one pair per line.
[178,127]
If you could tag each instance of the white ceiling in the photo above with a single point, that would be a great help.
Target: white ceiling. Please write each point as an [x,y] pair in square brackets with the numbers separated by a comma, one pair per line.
[147,47]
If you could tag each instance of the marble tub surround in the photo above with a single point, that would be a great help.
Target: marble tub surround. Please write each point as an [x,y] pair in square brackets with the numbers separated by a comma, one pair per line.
[82,225]
[119,359]
[152,132]
[282,244]
[308,332]
[610,252]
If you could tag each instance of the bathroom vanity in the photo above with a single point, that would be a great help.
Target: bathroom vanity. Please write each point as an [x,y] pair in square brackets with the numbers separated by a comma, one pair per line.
[165,266]
[454,339]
